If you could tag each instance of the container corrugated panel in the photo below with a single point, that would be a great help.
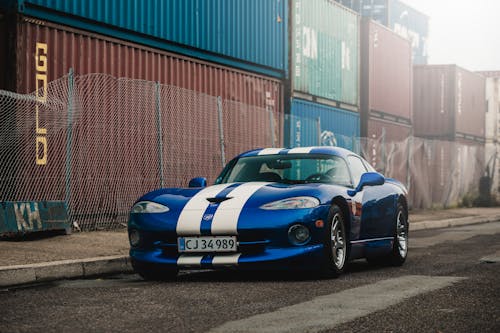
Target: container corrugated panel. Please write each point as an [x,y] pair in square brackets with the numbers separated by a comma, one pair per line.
[449,102]
[386,80]
[234,32]
[434,101]
[470,103]
[325,50]
[389,131]
[313,124]
[91,53]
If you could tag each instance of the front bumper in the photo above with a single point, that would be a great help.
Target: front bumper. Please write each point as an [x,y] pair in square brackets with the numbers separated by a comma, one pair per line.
[300,258]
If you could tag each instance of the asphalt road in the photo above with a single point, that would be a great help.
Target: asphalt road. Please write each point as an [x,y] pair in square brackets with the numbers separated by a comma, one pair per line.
[450,283]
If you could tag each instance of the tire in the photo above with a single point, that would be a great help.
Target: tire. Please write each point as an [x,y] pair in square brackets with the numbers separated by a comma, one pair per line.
[154,272]
[399,250]
[336,244]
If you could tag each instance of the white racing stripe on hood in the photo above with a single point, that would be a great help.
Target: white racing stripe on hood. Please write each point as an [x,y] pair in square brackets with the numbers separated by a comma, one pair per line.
[270,151]
[191,215]
[189,260]
[226,217]
[226,259]
[300,150]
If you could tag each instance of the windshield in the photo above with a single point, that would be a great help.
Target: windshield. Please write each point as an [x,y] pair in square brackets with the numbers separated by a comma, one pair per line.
[292,169]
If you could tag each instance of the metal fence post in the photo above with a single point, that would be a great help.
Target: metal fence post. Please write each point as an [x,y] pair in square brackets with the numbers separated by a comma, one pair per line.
[409,161]
[318,126]
[160,133]
[69,139]
[271,124]
[221,131]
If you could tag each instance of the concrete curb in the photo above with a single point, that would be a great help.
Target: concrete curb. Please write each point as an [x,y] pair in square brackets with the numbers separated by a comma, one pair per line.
[63,269]
[437,224]
[80,268]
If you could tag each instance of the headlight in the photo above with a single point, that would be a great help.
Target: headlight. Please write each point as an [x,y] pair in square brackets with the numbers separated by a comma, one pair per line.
[149,207]
[292,203]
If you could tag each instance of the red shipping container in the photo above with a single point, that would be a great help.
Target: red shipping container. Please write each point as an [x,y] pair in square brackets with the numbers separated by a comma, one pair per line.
[448,100]
[386,74]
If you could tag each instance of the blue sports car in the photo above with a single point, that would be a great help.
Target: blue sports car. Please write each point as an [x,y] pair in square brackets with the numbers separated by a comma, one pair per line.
[308,208]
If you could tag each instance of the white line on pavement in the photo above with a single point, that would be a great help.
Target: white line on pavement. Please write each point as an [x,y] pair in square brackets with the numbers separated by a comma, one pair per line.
[325,312]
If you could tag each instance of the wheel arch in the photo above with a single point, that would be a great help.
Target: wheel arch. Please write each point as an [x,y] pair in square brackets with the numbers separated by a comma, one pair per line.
[344,208]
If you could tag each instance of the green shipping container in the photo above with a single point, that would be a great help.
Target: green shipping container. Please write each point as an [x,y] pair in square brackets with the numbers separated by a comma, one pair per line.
[325,50]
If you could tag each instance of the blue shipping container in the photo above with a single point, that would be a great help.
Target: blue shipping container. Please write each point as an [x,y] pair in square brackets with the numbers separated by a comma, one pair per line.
[251,35]
[313,124]
[403,19]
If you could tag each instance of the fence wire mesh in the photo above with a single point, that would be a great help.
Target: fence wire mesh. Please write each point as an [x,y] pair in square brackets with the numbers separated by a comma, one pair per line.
[98,142]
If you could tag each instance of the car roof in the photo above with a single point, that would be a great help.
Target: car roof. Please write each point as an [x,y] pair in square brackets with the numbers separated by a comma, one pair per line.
[325,150]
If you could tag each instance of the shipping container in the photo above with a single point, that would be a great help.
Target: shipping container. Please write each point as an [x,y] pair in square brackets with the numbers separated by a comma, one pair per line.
[386,75]
[121,94]
[251,35]
[448,102]
[401,18]
[91,53]
[325,51]
[386,148]
[314,124]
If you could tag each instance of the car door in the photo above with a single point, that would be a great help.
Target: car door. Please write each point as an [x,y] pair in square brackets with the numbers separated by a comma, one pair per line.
[376,204]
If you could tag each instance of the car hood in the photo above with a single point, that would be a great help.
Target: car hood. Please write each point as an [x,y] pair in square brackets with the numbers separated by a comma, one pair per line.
[240,195]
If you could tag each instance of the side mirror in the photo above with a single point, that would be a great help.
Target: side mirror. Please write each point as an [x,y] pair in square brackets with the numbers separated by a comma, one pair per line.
[198,182]
[368,179]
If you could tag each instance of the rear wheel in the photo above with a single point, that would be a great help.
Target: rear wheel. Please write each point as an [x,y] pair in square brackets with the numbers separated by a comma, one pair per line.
[154,272]
[399,250]
[400,247]
[336,247]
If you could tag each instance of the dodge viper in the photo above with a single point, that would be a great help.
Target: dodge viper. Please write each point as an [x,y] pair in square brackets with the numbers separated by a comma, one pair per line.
[308,208]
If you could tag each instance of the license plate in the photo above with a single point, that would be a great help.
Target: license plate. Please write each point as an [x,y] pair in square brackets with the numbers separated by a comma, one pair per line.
[207,244]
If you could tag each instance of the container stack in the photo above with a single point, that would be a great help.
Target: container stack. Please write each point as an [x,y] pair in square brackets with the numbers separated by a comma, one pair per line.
[324,78]
[399,17]
[386,91]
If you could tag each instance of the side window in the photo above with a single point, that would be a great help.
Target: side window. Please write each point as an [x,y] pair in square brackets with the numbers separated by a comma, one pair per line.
[357,168]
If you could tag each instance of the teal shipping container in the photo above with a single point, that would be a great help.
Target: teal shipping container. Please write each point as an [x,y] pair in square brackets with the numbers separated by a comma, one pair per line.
[324,50]
[314,124]
[251,35]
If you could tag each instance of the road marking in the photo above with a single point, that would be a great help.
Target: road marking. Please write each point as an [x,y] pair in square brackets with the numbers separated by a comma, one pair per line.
[492,258]
[456,234]
[326,312]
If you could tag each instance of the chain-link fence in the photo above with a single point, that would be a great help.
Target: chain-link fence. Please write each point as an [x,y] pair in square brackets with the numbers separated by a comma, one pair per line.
[436,173]
[98,142]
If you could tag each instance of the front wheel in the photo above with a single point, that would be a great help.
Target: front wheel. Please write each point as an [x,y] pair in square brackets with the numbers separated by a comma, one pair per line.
[336,244]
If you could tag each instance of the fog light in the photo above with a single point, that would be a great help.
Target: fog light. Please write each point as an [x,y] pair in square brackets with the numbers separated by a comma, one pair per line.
[134,237]
[299,234]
